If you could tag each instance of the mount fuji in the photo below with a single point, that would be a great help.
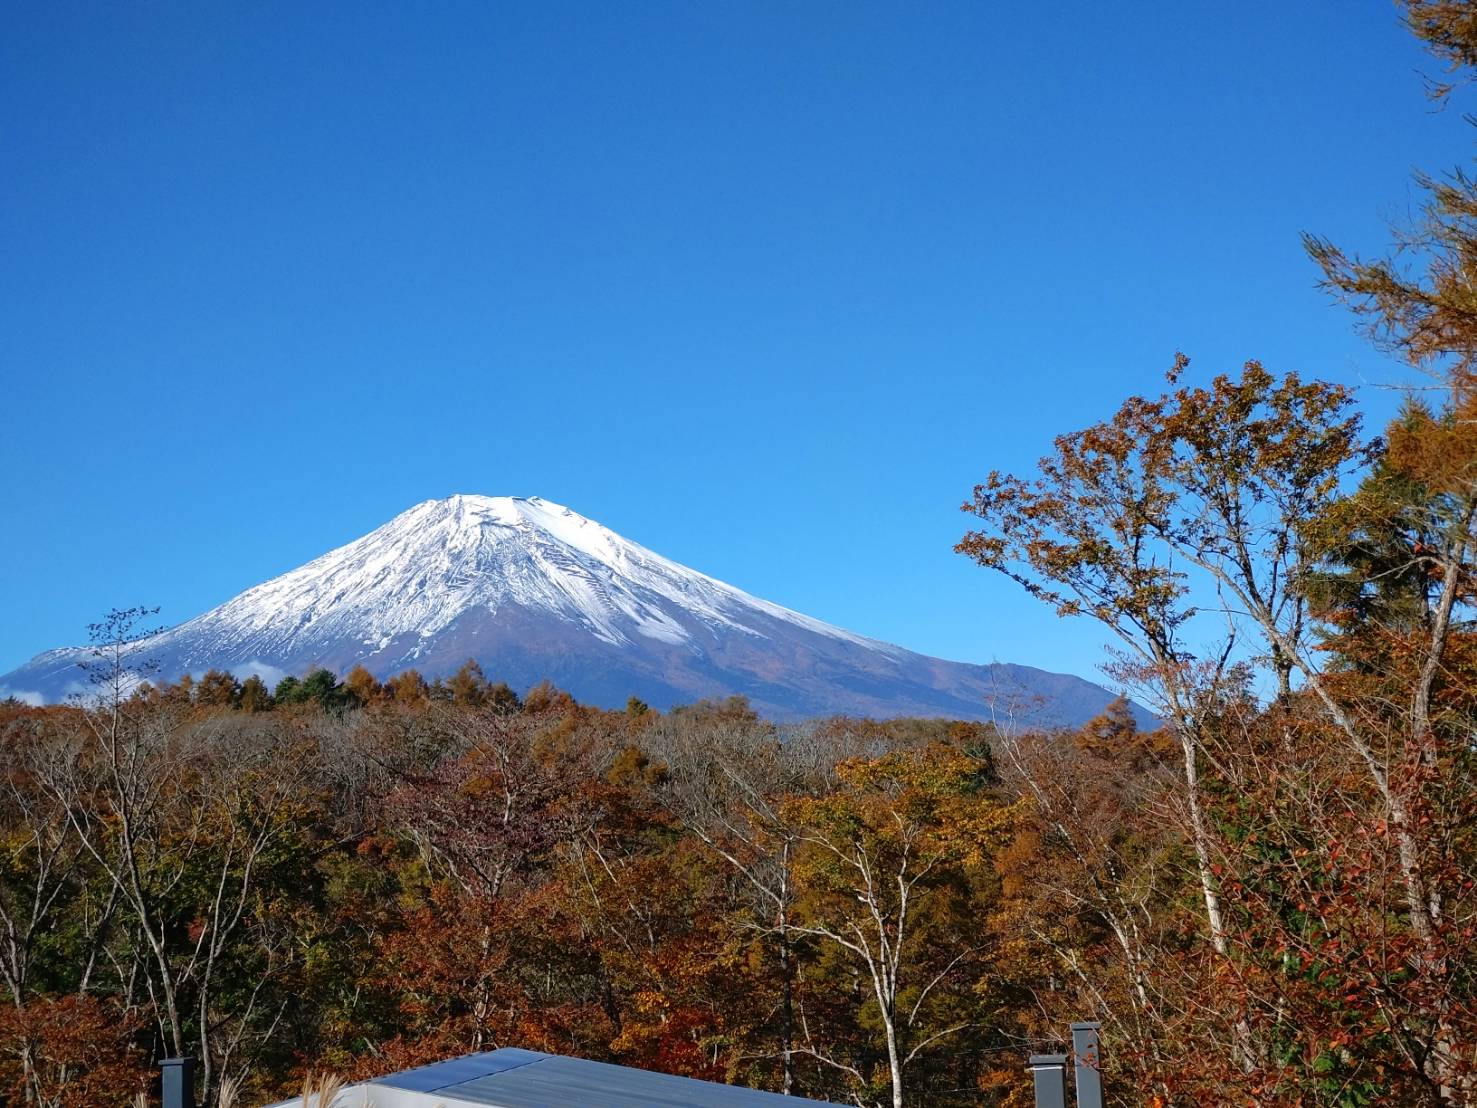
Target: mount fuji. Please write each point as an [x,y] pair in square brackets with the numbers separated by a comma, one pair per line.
[534,591]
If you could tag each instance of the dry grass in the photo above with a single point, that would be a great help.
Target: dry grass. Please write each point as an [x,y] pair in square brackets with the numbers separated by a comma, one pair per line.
[321,1090]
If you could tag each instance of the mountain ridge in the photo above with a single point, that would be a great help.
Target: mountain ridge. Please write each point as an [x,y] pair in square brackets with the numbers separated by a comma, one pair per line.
[535,591]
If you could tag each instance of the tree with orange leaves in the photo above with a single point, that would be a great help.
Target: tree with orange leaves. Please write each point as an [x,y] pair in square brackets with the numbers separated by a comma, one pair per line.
[893,873]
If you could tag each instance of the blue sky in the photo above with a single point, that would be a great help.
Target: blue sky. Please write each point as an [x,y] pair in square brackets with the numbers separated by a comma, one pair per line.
[764,286]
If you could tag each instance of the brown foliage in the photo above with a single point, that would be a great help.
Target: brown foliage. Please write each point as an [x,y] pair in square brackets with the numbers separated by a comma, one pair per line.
[72,1051]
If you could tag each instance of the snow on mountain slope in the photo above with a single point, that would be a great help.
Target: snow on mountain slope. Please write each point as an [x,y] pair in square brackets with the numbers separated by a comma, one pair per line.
[533,590]
[427,566]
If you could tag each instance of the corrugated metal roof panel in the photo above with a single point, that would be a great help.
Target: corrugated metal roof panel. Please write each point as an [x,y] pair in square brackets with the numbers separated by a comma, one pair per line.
[455,1071]
[512,1078]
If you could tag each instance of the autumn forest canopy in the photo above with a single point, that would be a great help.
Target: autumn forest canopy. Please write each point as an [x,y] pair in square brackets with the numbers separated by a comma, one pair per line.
[1268,899]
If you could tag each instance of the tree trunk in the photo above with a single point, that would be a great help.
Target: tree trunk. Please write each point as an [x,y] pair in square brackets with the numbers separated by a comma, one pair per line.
[894,1056]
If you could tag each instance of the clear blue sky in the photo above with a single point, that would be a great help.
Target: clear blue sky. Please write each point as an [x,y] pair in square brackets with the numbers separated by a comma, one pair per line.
[763,286]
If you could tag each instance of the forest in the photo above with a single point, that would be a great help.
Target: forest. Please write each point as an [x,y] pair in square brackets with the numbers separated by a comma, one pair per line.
[1268,899]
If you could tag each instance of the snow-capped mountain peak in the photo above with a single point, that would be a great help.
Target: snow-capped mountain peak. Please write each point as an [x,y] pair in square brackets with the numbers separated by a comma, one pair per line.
[432,564]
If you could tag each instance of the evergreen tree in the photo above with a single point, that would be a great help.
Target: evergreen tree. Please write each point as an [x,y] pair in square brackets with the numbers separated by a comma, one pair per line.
[468,685]
[254,695]
[182,691]
[321,685]
[217,688]
[1419,303]
[289,690]
[361,686]
[502,699]
[408,687]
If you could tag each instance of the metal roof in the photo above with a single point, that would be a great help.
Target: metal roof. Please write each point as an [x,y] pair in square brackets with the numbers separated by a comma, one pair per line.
[512,1078]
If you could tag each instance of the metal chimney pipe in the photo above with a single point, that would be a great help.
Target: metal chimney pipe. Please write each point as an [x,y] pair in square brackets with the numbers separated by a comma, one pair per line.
[178,1084]
[1089,1058]
[1049,1071]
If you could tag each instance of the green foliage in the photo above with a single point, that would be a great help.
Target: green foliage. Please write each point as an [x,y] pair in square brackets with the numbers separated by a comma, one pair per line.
[318,686]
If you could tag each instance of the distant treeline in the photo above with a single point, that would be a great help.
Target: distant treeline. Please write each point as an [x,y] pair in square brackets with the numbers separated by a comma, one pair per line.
[222,689]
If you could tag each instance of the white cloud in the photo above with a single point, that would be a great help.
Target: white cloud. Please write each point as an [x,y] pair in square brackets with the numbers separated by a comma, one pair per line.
[270,675]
